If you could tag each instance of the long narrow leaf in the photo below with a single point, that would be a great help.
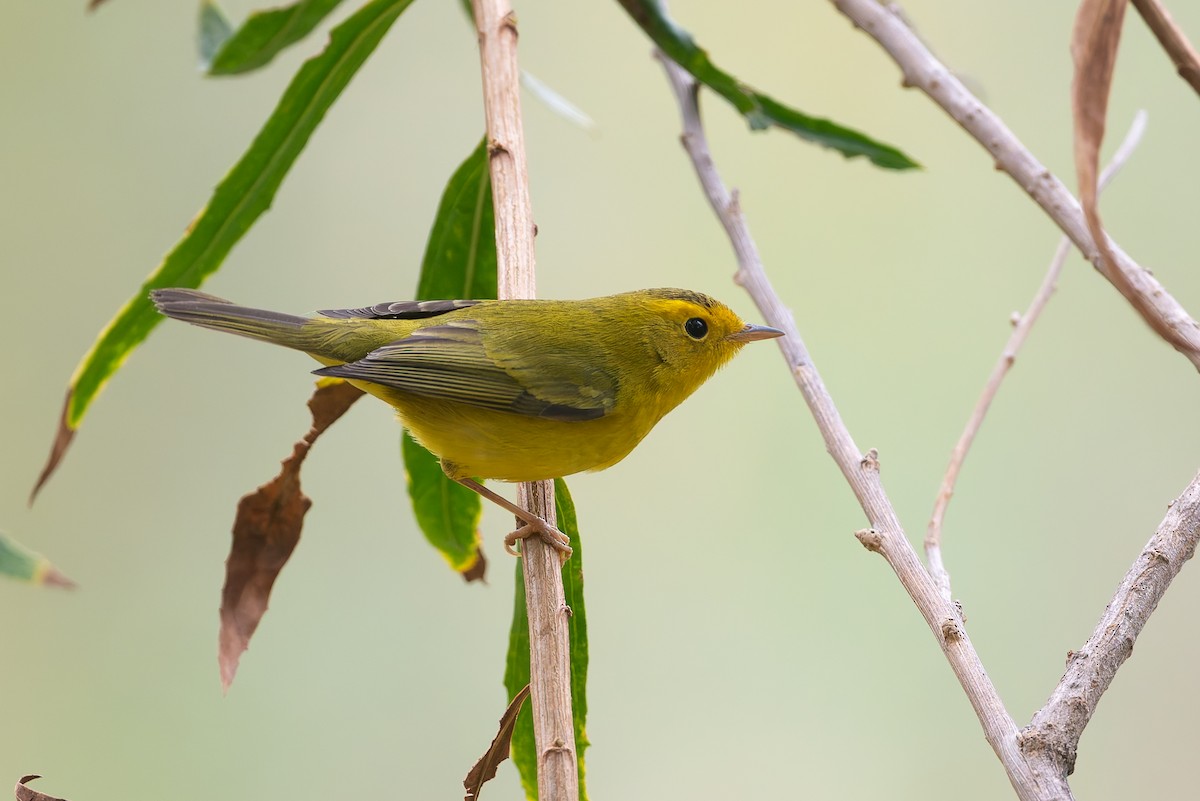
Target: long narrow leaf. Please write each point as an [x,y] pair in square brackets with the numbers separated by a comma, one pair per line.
[212,32]
[516,674]
[446,511]
[759,110]
[238,201]
[265,33]
[460,262]
[20,563]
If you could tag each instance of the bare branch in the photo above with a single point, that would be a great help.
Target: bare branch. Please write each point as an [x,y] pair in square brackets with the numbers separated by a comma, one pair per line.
[885,535]
[924,71]
[1035,760]
[1171,37]
[550,667]
[1052,737]
[1024,324]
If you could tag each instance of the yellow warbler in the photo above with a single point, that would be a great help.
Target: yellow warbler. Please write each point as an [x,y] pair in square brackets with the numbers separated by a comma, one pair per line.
[516,390]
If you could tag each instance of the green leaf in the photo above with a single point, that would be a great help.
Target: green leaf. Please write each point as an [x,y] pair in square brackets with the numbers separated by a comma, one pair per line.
[460,262]
[447,512]
[238,201]
[212,31]
[460,256]
[18,562]
[516,673]
[759,110]
[568,523]
[265,33]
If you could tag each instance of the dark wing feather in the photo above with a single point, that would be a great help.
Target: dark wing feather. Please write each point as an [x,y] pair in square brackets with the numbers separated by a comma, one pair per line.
[450,362]
[399,310]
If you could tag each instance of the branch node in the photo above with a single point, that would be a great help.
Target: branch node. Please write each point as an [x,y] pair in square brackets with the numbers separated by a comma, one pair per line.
[871,539]
[951,631]
[509,23]
[559,746]
[870,460]
[734,207]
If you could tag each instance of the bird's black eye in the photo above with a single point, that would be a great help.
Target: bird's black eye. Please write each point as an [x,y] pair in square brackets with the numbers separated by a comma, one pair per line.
[696,328]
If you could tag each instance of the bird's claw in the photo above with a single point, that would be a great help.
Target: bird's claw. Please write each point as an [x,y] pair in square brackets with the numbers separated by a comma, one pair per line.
[548,533]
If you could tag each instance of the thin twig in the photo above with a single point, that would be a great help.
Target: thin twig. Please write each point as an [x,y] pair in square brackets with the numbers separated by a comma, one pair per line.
[933,536]
[885,536]
[1052,738]
[923,70]
[550,667]
[1171,37]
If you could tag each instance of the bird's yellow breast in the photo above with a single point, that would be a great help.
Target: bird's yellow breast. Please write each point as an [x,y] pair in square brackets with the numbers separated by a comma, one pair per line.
[482,443]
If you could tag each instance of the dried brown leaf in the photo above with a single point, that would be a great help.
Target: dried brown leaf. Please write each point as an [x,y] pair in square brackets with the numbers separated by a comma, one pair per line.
[266,531]
[1094,51]
[62,441]
[26,793]
[497,752]
[478,569]
[1094,43]
[1173,40]
[54,578]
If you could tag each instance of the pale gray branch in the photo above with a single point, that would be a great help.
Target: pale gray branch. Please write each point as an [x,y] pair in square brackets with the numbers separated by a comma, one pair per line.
[923,70]
[885,536]
[550,666]
[1052,737]
[1024,324]
[1036,760]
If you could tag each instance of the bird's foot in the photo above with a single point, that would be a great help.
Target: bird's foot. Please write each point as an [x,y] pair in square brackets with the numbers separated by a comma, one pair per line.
[549,534]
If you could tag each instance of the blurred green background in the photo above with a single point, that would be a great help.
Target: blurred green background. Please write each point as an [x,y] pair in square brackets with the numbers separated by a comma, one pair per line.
[743,644]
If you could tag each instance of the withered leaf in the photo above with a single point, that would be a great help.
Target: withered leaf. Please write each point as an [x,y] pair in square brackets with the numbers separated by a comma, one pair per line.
[1172,39]
[266,531]
[1094,43]
[497,752]
[26,793]
[62,441]
[1094,51]
[478,569]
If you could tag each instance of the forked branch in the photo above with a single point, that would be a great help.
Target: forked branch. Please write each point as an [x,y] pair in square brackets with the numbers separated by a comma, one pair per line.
[1021,329]
[1038,759]
[885,535]
[921,69]
[1052,737]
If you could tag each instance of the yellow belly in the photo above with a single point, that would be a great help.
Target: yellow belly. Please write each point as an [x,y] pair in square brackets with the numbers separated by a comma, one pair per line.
[481,443]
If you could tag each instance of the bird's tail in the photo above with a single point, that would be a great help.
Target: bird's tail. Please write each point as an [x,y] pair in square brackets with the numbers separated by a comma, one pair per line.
[208,311]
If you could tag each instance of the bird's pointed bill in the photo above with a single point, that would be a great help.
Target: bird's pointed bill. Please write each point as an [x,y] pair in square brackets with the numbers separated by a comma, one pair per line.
[753,332]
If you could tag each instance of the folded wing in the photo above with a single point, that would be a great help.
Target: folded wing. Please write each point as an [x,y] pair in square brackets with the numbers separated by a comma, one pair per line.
[451,362]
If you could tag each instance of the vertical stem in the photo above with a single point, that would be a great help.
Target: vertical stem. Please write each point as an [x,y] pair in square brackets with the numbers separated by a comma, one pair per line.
[550,666]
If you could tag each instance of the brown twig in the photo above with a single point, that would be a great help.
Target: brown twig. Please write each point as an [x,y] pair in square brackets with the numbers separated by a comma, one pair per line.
[923,70]
[1052,737]
[1024,324]
[1171,37]
[550,667]
[885,535]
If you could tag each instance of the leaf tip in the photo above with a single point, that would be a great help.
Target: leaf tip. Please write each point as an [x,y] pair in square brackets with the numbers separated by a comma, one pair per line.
[62,441]
[477,569]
